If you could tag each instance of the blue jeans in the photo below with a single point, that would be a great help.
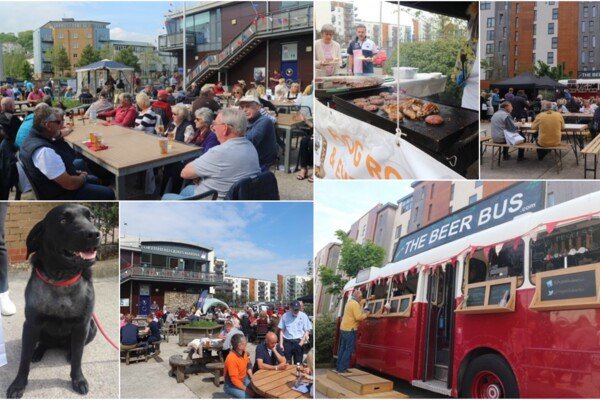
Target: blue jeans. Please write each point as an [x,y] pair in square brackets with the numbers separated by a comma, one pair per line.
[347,343]
[234,391]
[91,191]
[187,191]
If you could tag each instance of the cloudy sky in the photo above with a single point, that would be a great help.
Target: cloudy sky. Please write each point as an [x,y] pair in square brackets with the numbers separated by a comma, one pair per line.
[257,240]
[129,20]
[340,203]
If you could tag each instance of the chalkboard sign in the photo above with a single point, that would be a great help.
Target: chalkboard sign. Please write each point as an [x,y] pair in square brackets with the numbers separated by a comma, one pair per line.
[404,305]
[497,293]
[476,296]
[394,306]
[576,285]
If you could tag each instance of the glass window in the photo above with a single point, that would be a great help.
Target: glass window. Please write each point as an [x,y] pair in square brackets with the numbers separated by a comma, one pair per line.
[533,58]
[585,42]
[593,11]
[550,57]
[534,43]
[517,36]
[504,60]
[504,33]
[500,18]
[490,34]
[534,28]
[593,41]
[75,35]
[408,286]
[591,26]
[585,12]
[146,258]
[516,22]
[159,261]
[500,45]
[398,231]
[551,28]
[583,57]
[173,263]
[555,13]
[582,26]
[472,199]
[517,8]
[568,246]
[591,57]
[508,263]
[490,22]
[550,199]
[554,42]
[535,15]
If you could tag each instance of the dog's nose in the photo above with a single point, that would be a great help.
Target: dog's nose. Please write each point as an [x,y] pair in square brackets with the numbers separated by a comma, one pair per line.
[93,234]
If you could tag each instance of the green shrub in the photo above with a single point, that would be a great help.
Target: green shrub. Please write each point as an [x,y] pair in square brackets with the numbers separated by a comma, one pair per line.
[324,335]
[203,324]
[69,103]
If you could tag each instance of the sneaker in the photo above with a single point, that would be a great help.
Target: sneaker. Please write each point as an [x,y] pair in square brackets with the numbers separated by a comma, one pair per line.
[506,157]
[7,306]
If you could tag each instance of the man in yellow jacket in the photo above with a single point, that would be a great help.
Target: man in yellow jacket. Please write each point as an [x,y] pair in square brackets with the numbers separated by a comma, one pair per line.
[353,314]
[549,125]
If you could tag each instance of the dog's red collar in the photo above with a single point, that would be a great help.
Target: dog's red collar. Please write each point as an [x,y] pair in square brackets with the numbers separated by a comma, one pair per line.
[51,282]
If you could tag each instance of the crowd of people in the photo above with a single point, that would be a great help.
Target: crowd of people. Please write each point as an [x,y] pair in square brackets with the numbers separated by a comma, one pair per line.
[282,334]
[236,131]
[547,117]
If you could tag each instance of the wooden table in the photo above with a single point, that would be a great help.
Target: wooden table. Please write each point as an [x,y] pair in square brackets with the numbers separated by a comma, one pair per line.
[576,132]
[287,123]
[129,151]
[20,104]
[277,384]
[578,115]
[288,105]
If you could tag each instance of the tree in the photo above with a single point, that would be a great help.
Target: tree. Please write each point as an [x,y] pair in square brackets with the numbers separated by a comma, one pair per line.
[89,55]
[333,282]
[127,57]
[59,59]
[556,73]
[106,216]
[107,52]
[148,59]
[8,37]
[25,39]
[16,65]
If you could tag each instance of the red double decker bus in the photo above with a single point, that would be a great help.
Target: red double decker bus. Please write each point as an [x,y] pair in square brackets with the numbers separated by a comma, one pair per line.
[510,310]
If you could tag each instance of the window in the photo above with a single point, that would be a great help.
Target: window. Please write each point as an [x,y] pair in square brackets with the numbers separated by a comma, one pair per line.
[159,261]
[500,19]
[583,57]
[550,199]
[504,33]
[591,26]
[591,57]
[593,11]
[472,199]
[416,213]
[516,51]
[478,184]
[504,60]
[75,35]
[516,65]
[535,15]
[429,212]
[485,5]
[585,42]
[508,263]
[582,26]
[550,57]
[554,42]
[489,48]
[517,8]
[74,55]
[500,45]
[551,28]
[61,35]
[534,43]
[555,13]
[89,35]
[534,28]
[594,41]
[517,36]
[432,190]
[568,246]
[398,231]
[146,259]
[517,22]
[490,34]
[406,205]
[75,45]
[585,12]
[490,22]
[533,58]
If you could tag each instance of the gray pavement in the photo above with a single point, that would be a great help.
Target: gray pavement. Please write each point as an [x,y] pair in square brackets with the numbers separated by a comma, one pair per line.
[49,378]
[150,380]
[530,168]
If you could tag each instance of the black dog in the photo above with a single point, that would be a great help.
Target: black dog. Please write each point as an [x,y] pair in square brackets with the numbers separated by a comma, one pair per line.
[59,298]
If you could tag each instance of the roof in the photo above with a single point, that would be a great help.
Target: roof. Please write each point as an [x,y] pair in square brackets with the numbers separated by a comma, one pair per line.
[143,241]
[455,9]
[527,223]
[105,64]
[203,6]
[74,21]
[132,43]
[528,80]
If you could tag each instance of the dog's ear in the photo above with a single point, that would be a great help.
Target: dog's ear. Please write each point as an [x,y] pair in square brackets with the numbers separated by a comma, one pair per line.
[34,239]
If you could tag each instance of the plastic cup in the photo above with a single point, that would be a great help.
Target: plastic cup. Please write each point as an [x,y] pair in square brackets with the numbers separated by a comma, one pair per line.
[99,139]
[171,136]
[164,146]
[528,119]
[93,139]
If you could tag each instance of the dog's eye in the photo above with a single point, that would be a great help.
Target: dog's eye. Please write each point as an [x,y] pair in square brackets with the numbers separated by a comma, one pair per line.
[63,221]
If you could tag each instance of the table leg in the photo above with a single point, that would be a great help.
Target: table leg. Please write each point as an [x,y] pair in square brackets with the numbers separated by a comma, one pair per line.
[121,189]
[288,146]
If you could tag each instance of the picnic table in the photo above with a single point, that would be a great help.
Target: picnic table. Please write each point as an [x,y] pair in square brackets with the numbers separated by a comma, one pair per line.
[277,384]
[578,115]
[287,105]
[287,122]
[574,134]
[129,151]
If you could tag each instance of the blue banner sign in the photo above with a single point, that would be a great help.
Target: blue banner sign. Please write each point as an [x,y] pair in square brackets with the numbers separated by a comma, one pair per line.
[502,207]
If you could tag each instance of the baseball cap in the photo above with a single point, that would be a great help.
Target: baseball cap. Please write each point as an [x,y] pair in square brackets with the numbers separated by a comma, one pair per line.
[162,93]
[249,99]
[295,305]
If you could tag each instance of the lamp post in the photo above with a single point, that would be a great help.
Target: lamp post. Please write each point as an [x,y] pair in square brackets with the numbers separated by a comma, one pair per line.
[184,77]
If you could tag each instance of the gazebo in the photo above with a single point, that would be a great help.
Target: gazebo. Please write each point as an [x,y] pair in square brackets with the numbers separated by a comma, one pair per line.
[208,303]
[91,75]
[528,82]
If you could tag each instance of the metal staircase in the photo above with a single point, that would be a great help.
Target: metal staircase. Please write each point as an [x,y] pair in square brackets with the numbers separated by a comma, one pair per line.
[271,25]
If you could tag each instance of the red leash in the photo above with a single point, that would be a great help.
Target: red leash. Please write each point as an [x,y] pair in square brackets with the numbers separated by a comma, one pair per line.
[108,339]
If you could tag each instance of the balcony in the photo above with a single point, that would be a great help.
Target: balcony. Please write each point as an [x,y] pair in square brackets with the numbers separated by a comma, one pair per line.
[169,275]
[174,41]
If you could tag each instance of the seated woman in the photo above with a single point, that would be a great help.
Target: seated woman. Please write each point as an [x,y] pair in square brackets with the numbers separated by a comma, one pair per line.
[294,94]
[124,115]
[238,370]
[101,105]
[305,152]
[203,136]
[146,118]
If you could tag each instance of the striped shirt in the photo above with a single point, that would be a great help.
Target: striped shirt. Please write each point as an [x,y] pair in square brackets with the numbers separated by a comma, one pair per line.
[146,121]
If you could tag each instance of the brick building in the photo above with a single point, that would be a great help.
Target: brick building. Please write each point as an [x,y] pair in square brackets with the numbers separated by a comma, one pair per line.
[20,218]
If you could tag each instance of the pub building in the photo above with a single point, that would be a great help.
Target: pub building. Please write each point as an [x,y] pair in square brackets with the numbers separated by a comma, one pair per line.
[168,272]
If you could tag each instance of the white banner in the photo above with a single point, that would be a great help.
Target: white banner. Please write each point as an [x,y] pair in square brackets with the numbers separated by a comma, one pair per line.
[2,346]
[346,148]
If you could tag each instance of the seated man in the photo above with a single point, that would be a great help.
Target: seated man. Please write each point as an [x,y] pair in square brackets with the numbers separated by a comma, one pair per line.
[125,114]
[549,125]
[129,333]
[224,165]
[27,123]
[9,123]
[163,108]
[260,131]
[101,105]
[206,99]
[50,162]
[238,370]
[269,355]
[152,330]
[501,121]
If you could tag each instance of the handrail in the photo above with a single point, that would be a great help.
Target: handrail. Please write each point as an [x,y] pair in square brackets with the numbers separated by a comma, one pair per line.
[278,21]
[164,273]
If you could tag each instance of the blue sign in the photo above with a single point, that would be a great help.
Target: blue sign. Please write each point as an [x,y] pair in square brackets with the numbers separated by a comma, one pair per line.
[502,207]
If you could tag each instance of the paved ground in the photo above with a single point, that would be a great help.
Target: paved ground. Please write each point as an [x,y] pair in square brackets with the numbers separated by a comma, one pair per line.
[150,380]
[399,386]
[530,168]
[50,377]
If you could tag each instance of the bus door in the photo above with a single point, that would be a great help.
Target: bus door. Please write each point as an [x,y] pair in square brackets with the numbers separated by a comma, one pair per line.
[439,324]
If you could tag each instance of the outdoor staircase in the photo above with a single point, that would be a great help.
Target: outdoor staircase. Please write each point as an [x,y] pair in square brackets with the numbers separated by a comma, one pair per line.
[356,384]
[275,24]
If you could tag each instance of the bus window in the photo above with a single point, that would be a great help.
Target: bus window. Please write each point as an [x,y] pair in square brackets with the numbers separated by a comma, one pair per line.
[377,298]
[508,263]
[402,294]
[567,246]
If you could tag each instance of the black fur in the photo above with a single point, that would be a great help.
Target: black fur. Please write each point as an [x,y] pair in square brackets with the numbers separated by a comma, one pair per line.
[59,316]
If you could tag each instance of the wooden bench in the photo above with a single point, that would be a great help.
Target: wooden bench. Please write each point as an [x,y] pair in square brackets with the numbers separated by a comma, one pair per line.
[216,368]
[483,139]
[156,347]
[178,365]
[557,151]
[592,148]
[133,353]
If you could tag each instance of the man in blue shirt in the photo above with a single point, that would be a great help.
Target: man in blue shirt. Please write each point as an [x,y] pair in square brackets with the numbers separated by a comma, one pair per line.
[129,332]
[153,331]
[269,355]
[360,53]
[295,331]
[260,131]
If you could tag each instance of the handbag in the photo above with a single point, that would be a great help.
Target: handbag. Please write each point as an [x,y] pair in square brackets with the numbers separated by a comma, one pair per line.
[513,138]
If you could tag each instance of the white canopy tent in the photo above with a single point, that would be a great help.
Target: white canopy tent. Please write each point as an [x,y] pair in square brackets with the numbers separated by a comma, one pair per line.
[92,75]
[208,303]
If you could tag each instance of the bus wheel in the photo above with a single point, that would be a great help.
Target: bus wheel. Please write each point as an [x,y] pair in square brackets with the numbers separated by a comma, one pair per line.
[489,377]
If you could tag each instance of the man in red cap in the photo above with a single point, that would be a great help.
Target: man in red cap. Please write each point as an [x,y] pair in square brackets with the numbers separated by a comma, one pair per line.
[164,107]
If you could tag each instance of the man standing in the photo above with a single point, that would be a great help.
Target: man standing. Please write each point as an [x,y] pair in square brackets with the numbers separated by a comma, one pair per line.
[269,355]
[260,131]
[295,331]
[549,125]
[9,123]
[360,53]
[353,314]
